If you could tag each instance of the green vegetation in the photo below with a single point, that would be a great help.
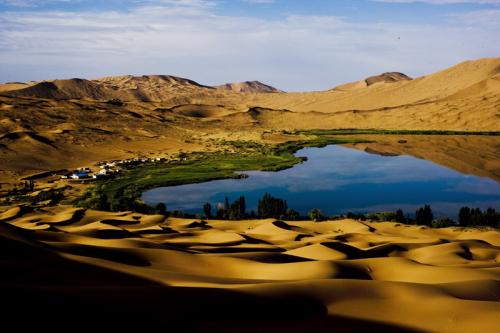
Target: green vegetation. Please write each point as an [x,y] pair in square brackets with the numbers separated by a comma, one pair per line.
[207,209]
[24,193]
[476,217]
[323,132]
[123,192]
[467,217]
[271,207]
[316,215]
[424,216]
[443,223]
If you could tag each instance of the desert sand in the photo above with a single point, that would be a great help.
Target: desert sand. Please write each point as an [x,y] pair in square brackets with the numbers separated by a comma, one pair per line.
[248,276]
[65,267]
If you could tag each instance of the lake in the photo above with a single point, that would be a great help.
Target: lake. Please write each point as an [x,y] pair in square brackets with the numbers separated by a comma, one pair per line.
[338,180]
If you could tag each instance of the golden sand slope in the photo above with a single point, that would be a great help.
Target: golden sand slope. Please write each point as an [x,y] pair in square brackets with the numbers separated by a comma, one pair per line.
[454,81]
[249,276]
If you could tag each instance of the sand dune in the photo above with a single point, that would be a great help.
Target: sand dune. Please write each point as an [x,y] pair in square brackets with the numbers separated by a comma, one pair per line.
[249,87]
[429,88]
[62,89]
[309,275]
[389,77]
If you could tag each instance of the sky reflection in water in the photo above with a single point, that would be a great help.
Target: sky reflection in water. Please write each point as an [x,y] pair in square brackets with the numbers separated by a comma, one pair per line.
[338,179]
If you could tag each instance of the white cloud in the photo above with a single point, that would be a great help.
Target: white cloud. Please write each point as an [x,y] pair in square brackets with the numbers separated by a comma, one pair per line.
[187,38]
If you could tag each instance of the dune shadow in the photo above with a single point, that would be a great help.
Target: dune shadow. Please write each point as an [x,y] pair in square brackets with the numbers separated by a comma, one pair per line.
[116,255]
[116,222]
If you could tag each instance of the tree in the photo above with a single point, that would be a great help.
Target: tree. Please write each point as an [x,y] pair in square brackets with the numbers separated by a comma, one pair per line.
[464,216]
[161,208]
[492,218]
[220,211]
[424,216]
[207,209]
[400,216]
[476,217]
[242,207]
[226,207]
[270,207]
[237,210]
[292,214]
[316,215]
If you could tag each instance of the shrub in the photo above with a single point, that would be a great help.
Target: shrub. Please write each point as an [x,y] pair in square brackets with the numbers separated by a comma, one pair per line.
[292,215]
[443,223]
[316,215]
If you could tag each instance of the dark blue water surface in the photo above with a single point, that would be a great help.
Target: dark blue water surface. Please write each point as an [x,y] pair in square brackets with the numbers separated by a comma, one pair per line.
[337,180]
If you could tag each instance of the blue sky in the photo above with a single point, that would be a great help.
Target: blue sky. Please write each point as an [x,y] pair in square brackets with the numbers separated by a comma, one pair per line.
[292,44]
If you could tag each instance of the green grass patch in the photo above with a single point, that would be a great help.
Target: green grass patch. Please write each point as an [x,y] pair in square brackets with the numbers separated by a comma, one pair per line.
[123,192]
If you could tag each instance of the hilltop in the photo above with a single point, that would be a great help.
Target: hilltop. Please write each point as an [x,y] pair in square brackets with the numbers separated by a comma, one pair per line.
[249,87]
[389,77]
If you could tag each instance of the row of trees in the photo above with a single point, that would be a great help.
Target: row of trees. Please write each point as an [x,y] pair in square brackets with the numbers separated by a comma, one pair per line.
[272,207]
[466,217]
[22,188]
[475,216]
[227,211]
[268,207]
[424,216]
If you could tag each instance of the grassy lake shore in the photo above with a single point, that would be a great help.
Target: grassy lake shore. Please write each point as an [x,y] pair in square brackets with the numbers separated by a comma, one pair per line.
[124,191]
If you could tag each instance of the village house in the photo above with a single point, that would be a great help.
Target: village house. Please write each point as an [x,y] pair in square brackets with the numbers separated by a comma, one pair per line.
[80,175]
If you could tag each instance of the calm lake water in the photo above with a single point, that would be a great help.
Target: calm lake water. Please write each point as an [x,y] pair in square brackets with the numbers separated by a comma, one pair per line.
[337,180]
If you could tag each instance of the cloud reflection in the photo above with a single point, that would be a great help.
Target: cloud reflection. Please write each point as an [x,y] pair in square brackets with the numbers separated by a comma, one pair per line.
[337,179]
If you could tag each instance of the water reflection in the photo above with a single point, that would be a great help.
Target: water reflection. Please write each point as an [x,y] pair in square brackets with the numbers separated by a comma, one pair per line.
[338,179]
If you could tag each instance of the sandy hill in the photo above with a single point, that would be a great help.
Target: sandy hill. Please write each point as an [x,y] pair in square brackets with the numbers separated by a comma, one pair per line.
[249,87]
[147,88]
[150,88]
[8,86]
[389,77]
[63,89]
[245,276]
[434,87]
[463,97]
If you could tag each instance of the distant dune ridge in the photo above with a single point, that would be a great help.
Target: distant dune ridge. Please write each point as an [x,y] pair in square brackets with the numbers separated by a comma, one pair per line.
[389,77]
[147,88]
[249,87]
[385,90]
